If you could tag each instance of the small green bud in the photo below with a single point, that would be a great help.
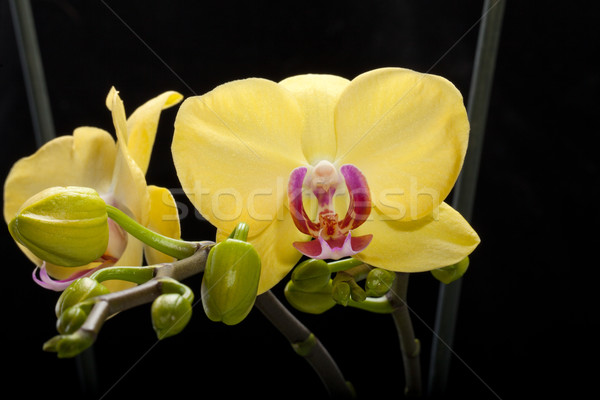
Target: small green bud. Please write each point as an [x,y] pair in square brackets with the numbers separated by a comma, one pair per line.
[72,318]
[78,291]
[311,275]
[345,288]
[378,282]
[230,281]
[66,226]
[171,313]
[70,345]
[452,272]
[314,302]
[341,293]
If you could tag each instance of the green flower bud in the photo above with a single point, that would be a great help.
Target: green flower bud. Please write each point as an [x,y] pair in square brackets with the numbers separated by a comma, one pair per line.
[171,313]
[345,287]
[313,302]
[72,318]
[66,226]
[452,272]
[311,275]
[70,345]
[78,291]
[379,281]
[341,293]
[230,281]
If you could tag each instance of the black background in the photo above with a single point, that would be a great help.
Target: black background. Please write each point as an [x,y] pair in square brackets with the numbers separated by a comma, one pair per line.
[528,321]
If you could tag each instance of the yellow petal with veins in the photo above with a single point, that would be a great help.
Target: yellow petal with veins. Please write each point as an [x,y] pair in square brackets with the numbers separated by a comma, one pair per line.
[274,246]
[129,183]
[438,240]
[408,133]
[317,96]
[234,149]
[142,126]
[163,219]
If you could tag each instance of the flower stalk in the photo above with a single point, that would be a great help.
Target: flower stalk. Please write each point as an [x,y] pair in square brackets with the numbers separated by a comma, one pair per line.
[409,345]
[179,249]
[306,344]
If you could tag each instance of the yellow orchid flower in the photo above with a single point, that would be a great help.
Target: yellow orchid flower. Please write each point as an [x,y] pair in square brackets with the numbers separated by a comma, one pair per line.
[260,152]
[91,158]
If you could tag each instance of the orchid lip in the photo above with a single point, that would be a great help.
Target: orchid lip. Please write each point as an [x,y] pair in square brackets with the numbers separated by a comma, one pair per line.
[333,235]
[322,249]
[58,285]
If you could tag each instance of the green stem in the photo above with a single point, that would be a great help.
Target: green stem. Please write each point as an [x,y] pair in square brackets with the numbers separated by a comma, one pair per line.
[179,249]
[409,345]
[240,232]
[342,265]
[137,275]
[169,285]
[378,305]
[102,307]
[305,344]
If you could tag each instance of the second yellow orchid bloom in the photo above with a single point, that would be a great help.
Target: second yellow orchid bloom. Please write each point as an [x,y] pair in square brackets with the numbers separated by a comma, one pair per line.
[91,158]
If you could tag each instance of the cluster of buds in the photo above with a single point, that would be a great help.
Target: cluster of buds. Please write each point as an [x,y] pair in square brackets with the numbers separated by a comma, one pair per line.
[313,290]
[69,227]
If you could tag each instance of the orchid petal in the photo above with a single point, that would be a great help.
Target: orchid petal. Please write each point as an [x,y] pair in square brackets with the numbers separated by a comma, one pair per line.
[142,125]
[234,149]
[129,183]
[163,219]
[442,238]
[58,285]
[317,96]
[407,132]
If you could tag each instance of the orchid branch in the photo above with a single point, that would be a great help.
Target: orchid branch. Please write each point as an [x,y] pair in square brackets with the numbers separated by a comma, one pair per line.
[409,345]
[305,343]
[152,282]
[102,307]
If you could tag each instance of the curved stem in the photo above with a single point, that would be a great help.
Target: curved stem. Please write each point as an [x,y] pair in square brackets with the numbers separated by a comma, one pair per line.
[342,265]
[137,275]
[179,249]
[409,345]
[69,345]
[305,344]
[378,305]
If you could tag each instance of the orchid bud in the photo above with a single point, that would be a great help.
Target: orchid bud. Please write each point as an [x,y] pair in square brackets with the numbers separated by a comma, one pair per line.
[452,272]
[70,345]
[346,288]
[379,281]
[311,275]
[230,281]
[312,302]
[66,226]
[78,291]
[72,319]
[341,293]
[171,313]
